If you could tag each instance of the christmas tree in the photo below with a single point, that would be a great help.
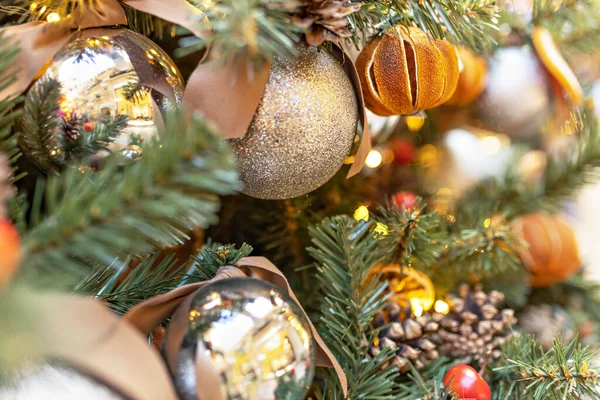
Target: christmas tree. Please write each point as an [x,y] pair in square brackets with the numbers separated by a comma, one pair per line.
[288,199]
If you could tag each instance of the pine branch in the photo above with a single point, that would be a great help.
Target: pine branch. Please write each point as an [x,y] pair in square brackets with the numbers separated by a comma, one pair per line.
[513,195]
[39,123]
[345,251]
[258,29]
[121,288]
[210,259]
[94,218]
[468,22]
[415,233]
[426,383]
[563,372]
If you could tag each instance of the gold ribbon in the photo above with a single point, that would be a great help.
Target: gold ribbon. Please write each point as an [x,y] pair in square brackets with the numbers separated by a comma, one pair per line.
[147,315]
[228,95]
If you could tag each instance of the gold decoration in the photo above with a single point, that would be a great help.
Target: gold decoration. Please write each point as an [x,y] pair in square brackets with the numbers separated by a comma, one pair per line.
[303,128]
[109,72]
[256,337]
[551,254]
[403,71]
[409,287]
[471,81]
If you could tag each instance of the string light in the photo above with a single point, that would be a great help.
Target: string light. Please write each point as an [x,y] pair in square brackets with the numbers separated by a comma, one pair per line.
[487,223]
[374,159]
[415,123]
[361,212]
[53,17]
[381,228]
[491,144]
[417,307]
[441,307]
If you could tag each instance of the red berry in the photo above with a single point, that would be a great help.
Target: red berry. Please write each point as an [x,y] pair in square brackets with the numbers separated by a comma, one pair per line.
[406,199]
[88,126]
[404,151]
[467,384]
[10,251]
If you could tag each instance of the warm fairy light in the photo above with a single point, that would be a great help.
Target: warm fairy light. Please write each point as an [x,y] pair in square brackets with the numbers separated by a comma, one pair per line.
[487,223]
[444,192]
[415,122]
[387,155]
[53,17]
[349,160]
[361,212]
[428,156]
[374,159]
[491,144]
[33,6]
[381,228]
[441,306]
[417,307]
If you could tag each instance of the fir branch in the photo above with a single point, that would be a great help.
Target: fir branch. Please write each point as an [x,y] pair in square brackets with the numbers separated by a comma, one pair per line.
[8,139]
[210,259]
[513,195]
[95,218]
[563,372]
[39,123]
[468,22]
[415,233]
[122,288]
[257,29]
[427,383]
[345,252]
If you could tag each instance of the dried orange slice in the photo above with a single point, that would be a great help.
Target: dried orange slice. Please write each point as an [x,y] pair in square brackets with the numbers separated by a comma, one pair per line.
[548,52]
[471,81]
[409,286]
[452,72]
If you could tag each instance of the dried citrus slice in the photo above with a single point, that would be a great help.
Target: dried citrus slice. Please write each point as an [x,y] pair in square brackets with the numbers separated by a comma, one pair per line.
[450,56]
[548,52]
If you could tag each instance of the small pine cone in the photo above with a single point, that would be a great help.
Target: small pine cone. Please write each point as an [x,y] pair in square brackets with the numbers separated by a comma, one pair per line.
[325,19]
[474,326]
[409,337]
[70,127]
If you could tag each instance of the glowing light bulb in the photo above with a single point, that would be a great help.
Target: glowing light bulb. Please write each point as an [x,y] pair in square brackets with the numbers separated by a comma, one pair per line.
[53,17]
[361,212]
[381,228]
[374,159]
[417,307]
[415,123]
[441,306]
[491,144]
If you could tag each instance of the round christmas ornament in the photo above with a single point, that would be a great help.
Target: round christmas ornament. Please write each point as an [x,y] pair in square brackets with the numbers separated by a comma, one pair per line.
[303,129]
[410,288]
[403,71]
[551,254]
[112,78]
[404,199]
[472,78]
[254,335]
[516,100]
[404,151]
[10,251]
[467,383]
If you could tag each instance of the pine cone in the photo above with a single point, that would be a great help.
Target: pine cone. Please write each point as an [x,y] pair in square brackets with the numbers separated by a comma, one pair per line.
[474,326]
[7,190]
[325,19]
[409,336]
[70,127]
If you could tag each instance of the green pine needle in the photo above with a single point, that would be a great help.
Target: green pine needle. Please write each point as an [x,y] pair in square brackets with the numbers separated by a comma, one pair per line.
[210,259]
[95,218]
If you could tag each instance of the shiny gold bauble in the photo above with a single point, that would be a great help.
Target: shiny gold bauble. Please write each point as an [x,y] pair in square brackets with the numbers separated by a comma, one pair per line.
[256,337]
[403,71]
[516,100]
[108,72]
[303,128]
[552,253]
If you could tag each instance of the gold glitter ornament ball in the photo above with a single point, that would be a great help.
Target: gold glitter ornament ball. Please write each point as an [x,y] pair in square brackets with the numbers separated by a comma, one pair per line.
[303,128]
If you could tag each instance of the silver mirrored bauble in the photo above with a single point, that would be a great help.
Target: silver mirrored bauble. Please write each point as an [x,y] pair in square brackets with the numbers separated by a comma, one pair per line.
[256,336]
[303,128]
[516,100]
[108,72]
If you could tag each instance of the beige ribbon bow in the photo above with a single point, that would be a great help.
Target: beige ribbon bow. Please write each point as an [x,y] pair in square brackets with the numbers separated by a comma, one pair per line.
[147,315]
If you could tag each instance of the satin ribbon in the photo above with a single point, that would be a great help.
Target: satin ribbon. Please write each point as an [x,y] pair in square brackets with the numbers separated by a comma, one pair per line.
[147,315]
[227,94]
